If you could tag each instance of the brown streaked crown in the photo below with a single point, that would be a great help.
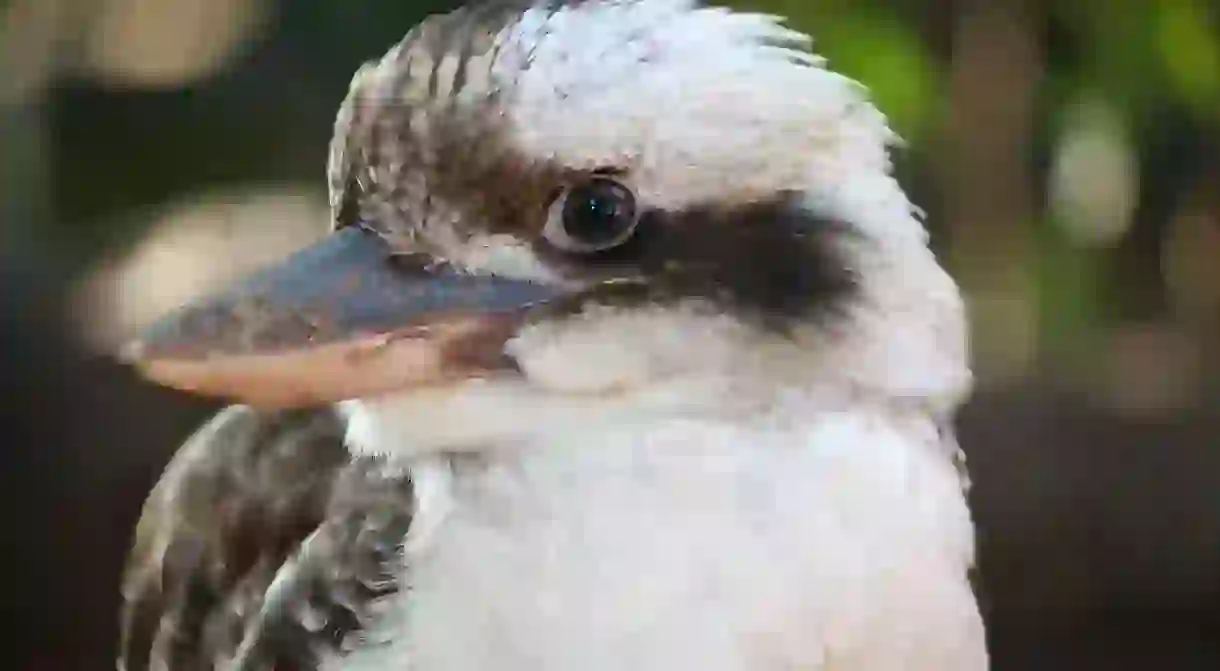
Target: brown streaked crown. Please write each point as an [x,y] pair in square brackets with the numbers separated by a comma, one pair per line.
[419,141]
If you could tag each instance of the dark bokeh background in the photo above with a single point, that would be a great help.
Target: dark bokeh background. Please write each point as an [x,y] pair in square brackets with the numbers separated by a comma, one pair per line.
[1068,155]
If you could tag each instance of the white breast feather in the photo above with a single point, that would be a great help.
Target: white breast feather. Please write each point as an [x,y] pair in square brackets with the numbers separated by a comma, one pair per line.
[804,539]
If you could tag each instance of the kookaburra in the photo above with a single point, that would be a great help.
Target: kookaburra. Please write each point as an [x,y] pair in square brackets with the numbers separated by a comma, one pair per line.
[625,351]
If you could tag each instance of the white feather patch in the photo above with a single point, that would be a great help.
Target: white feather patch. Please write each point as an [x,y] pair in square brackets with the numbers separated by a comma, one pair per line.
[801,539]
[702,104]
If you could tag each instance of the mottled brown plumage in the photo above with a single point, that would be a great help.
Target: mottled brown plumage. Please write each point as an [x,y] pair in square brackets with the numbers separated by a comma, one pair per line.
[264,544]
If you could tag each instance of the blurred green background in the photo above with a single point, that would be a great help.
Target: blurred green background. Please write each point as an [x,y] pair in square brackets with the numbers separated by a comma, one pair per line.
[1067,154]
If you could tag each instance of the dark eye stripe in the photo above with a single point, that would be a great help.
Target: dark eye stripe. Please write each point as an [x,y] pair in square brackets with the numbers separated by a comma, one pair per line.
[773,261]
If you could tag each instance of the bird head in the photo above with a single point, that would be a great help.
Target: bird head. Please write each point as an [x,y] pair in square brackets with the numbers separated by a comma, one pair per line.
[590,195]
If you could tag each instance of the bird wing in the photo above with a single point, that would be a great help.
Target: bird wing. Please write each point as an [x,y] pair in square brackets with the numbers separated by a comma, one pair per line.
[264,546]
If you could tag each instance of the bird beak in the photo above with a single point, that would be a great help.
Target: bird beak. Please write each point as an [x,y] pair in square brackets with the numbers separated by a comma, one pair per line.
[344,318]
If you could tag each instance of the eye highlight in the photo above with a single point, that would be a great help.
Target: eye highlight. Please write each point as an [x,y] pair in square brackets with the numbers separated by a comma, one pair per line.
[597,214]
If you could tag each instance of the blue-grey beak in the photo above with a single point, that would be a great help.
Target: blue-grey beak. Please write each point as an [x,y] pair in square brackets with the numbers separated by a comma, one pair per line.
[345,318]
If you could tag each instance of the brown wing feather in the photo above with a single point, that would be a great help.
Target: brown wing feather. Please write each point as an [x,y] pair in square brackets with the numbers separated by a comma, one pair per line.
[262,545]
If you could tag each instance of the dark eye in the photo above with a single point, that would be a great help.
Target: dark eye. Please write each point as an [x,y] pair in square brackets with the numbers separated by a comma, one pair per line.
[592,216]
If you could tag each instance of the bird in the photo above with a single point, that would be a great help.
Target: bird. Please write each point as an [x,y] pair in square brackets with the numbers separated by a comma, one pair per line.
[625,348]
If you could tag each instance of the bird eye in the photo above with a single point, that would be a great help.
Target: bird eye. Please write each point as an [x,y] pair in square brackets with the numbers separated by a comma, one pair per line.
[592,216]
